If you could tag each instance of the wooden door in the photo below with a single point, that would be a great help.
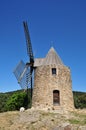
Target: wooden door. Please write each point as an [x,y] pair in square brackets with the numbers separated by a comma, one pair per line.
[55,97]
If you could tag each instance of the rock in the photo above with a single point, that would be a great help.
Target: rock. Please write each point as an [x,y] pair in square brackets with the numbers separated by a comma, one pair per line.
[22,109]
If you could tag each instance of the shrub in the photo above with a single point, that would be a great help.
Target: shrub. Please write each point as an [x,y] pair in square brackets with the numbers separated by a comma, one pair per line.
[16,101]
[80,100]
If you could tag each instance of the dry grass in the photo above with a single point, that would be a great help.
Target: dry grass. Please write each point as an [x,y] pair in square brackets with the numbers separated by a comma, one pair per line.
[40,120]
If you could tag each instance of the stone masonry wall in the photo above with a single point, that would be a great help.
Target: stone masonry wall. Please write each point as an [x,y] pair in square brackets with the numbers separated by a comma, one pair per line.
[45,83]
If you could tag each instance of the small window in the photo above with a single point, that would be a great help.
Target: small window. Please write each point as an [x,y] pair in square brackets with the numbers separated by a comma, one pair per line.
[53,70]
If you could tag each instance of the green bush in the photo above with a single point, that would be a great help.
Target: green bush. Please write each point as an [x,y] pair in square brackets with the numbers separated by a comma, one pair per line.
[79,100]
[3,99]
[16,101]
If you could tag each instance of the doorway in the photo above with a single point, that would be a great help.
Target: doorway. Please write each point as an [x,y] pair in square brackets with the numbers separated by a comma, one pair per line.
[56,97]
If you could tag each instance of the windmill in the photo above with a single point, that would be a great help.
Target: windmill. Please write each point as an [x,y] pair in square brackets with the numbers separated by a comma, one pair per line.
[23,72]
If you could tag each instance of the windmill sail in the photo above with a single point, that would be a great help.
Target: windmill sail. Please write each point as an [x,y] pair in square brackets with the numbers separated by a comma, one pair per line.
[19,69]
[23,72]
[28,42]
[23,75]
[29,51]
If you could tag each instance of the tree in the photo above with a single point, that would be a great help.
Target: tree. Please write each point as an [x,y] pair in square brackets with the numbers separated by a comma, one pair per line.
[16,101]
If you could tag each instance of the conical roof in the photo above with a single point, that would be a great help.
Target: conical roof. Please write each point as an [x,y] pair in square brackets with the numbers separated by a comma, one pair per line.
[52,58]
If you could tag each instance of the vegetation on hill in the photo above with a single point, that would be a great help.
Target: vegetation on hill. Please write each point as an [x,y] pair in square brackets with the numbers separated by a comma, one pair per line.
[11,101]
[79,99]
[14,100]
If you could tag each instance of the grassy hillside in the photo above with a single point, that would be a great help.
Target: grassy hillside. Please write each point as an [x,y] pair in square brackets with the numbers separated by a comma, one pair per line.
[33,119]
[79,99]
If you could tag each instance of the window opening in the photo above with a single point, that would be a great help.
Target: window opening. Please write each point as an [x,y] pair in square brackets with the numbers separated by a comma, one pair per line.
[53,70]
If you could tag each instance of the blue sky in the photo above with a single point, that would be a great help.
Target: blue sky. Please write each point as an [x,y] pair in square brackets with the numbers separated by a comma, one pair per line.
[61,23]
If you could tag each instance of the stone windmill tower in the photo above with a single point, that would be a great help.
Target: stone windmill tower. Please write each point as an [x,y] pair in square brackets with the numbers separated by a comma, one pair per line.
[52,79]
[52,83]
